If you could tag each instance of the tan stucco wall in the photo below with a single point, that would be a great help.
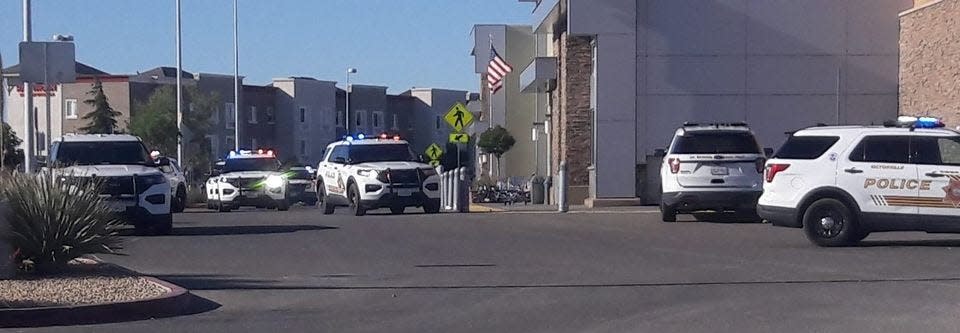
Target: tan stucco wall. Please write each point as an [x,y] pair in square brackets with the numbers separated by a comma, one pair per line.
[930,61]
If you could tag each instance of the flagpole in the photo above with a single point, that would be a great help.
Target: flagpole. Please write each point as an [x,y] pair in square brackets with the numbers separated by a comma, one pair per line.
[490,119]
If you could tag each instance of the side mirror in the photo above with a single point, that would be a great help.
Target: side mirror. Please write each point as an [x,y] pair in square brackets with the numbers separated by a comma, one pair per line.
[339,160]
[659,153]
[163,161]
[768,152]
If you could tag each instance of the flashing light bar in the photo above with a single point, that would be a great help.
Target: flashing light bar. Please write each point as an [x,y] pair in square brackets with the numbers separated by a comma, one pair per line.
[921,122]
[234,154]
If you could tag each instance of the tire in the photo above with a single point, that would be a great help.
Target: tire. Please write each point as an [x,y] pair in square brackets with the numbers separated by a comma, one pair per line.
[283,205]
[829,223]
[431,207]
[323,201]
[398,210]
[179,202]
[667,213]
[355,207]
[223,208]
[163,225]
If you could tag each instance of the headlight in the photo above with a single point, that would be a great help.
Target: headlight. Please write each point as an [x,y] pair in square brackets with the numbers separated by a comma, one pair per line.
[274,182]
[146,181]
[367,173]
[427,172]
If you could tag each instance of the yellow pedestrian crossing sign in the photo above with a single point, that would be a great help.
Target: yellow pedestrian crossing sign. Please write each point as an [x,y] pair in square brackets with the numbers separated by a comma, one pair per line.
[458,117]
[459,138]
[434,163]
[434,152]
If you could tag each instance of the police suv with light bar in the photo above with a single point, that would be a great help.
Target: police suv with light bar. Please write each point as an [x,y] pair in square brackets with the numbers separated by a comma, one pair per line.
[370,173]
[248,178]
[840,183]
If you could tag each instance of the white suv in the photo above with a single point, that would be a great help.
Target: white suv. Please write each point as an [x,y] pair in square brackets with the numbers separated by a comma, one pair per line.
[133,184]
[840,183]
[248,178]
[376,173]
[714,167]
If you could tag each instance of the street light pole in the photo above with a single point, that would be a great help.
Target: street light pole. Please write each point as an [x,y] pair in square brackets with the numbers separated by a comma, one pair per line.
[346,116]
[179,92]
[236,81]
[29,139]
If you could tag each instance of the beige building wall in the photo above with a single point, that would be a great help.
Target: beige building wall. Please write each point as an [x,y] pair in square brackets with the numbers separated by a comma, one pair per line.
[930,60]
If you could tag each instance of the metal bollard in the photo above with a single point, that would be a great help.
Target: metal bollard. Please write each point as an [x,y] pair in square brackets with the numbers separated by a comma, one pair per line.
[562,188]
[456,190]
[447,177]
[464,194]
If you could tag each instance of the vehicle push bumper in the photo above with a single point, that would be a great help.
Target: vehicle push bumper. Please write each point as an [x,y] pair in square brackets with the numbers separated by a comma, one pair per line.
[690,201]
[780,216]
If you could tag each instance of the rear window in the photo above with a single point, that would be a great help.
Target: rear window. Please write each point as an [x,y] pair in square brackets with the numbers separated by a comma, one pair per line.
[806,147]
[716,143]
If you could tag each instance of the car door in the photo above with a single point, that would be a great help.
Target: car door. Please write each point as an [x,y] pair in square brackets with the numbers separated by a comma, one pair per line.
[878,174]
[938,163]
[333,178]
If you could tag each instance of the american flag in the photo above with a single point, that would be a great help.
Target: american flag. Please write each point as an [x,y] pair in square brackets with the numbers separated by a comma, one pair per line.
[497,69]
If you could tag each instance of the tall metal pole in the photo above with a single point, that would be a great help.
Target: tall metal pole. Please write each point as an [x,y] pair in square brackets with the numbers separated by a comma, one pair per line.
[46,96]
[29,139]
[179,92]
[346,113]
[236,82]
[3,108]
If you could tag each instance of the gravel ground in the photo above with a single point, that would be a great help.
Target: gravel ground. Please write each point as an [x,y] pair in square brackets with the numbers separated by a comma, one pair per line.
[82,284]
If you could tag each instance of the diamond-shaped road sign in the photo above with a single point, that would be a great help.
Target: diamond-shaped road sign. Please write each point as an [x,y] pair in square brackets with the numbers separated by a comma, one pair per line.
[434,151]
[434,163]
[458,117]
[459,138]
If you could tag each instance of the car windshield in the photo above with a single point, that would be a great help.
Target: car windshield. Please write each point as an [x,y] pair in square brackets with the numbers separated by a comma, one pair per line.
[98,153]
[716,143]
[380,153]
[251,164]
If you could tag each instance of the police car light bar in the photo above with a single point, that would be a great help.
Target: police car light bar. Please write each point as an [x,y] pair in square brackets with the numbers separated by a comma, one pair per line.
[919,122]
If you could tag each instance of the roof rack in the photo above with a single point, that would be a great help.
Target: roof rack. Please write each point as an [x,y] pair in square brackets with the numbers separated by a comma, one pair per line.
[727,124]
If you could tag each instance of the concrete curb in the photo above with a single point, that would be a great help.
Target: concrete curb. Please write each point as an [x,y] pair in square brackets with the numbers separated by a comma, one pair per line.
[175,302]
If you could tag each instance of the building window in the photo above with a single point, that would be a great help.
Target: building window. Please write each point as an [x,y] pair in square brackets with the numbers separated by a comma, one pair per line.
[395,126]
[229,115]
[340,118]
[231,143]
[359,116]
[303,147]
[253,115]
[376,119]
[303,115]
[71,109]
[253,143]
[439,122]
[269,115]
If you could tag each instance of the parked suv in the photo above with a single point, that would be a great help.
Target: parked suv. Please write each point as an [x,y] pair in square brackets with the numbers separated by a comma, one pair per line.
[715,167]
[248,178]
[133,185]
[840,183]
[375,173]
[300,186]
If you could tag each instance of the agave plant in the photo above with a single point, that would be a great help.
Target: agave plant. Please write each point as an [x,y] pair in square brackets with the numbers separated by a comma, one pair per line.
[55,220]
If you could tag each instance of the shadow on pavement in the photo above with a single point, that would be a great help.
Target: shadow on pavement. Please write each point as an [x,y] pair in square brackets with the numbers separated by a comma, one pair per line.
[725,218]
[236,230]
[910,243]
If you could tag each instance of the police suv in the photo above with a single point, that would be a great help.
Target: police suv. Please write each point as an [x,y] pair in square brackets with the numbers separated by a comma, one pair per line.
[715,167]
[840,183]
[371,173]
[133,184]
[248,178]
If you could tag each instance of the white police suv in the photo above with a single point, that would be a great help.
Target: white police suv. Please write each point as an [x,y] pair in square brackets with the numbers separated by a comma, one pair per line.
[133,184]
[840,183]
[711,167]
[371,173]
[248,178]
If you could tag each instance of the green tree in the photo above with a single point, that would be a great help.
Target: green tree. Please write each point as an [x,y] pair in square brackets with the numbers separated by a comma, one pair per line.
[496,141]
[8,152]
[103,118]
[155,121]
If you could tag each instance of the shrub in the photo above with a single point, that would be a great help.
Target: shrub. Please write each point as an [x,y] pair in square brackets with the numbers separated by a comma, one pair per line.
[53,221]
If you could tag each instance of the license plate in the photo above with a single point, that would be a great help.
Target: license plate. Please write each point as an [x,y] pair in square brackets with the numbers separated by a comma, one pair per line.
[721,171]
[251,195]
[404,192]
[118,206]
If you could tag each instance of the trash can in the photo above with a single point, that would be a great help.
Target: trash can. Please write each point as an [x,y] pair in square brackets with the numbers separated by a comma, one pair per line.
[536,190]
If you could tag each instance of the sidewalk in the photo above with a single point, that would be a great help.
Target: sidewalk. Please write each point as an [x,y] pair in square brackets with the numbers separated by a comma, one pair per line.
[530,208]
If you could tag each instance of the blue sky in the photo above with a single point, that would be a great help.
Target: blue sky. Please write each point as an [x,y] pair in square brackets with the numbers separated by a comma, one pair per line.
[400,43]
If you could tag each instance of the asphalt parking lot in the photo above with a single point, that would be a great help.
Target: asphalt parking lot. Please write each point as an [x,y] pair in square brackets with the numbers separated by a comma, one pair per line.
[538,272]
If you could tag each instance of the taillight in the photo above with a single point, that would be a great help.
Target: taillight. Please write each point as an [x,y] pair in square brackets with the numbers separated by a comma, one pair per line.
[760,164]
[774,169]
[674,164]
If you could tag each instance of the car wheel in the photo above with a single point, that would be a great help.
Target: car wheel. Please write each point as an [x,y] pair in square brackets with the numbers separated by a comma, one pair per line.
[431,207]
[283,205]
[667,213]
[163,225]
[179,201]
[397,210]
[224,208]
[829,222]
[355,205]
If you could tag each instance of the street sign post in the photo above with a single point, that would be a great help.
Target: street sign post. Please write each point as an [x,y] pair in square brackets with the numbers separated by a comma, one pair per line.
[433,152]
